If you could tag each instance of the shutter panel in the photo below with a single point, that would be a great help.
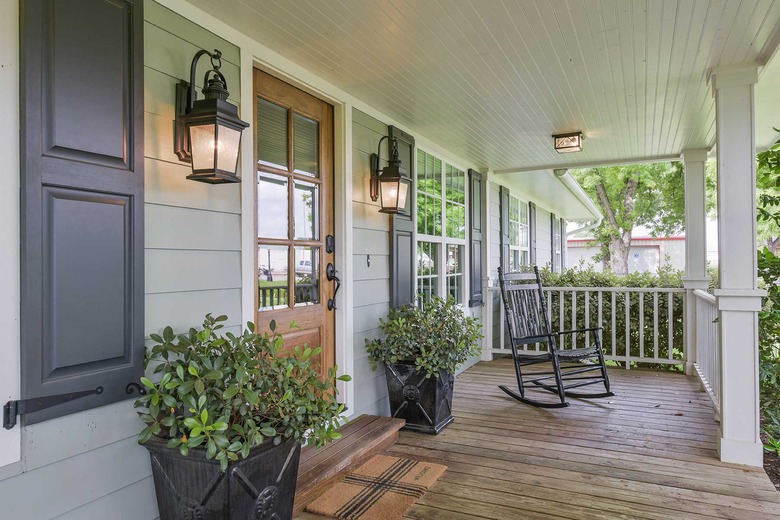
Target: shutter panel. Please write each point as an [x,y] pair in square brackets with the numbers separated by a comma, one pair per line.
[476,187]
[82,200]
[532,232]
[563,244]
[553,263]
[503,193]
[402,229]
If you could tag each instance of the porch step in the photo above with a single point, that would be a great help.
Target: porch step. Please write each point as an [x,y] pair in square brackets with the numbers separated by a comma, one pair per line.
[362,438]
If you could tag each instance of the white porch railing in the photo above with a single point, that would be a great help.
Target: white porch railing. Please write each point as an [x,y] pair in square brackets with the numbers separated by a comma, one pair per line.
[640,325]
[707,346]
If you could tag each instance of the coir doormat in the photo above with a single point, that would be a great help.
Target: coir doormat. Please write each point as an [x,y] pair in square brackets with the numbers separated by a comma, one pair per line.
[383,488]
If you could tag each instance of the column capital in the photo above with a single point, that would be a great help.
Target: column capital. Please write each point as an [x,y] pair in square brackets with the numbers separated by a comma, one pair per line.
[733,75]
[694,155]
[696,282]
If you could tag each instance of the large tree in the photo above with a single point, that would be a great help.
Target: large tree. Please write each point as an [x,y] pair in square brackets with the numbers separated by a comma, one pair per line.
[650,195]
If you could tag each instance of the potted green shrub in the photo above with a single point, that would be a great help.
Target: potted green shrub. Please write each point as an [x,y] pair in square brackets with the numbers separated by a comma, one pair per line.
[226,419]
[421,351]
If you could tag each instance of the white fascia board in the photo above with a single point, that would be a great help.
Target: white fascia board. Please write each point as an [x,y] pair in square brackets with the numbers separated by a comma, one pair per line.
[576,190]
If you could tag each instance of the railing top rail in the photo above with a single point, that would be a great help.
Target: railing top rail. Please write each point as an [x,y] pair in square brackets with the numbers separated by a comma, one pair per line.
[620,289]
[610,289]
[704,295]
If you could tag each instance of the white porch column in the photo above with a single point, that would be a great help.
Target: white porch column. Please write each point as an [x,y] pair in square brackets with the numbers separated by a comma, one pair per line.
[695,245]
[739,299]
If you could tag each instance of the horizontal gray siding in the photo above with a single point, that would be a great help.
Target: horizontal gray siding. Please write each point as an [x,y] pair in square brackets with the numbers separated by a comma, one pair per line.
[371,282]
[89,464]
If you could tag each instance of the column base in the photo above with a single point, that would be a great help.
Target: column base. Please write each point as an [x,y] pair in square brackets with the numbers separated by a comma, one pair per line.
[690,369]
[741,452]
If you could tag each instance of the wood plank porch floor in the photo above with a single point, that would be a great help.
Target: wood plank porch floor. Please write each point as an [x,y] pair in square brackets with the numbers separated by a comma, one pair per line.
[648,452]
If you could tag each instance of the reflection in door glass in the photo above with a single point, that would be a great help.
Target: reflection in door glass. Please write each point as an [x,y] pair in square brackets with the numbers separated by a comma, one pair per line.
[306,135]
[272,288]
[307,276]
[271,134]
[307,210]
[271,205]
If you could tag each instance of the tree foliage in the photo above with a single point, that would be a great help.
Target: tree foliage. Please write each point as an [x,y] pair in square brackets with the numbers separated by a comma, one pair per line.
[650,195]
[768,193]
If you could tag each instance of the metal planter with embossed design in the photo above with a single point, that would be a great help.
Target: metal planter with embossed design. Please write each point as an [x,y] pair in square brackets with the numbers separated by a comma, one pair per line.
[425,404]
[260,487]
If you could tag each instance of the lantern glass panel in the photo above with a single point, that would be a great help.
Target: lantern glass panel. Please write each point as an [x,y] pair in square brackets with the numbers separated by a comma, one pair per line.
[228,140]
[202,145]
[403,189]
[390,192]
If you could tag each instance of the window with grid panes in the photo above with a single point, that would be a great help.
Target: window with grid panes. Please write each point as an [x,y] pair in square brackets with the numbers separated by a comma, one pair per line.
[518,233]
[556,245]
[441,228]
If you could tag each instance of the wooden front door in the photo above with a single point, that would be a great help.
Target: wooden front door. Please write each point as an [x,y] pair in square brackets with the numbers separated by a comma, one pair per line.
[294,157]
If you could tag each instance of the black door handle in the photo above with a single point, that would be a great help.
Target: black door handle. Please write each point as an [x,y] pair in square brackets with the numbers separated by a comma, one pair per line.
[330,273]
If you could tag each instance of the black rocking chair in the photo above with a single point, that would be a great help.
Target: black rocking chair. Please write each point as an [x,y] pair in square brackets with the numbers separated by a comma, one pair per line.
[528,323]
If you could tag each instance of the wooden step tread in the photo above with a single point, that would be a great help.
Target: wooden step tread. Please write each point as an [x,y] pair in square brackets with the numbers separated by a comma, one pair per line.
[362,438]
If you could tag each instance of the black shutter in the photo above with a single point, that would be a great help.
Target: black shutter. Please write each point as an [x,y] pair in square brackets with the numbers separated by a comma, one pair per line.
[503,197]
[563,244]
[402,228]
[532,233]
[553,263]
[82,200]
[476,185]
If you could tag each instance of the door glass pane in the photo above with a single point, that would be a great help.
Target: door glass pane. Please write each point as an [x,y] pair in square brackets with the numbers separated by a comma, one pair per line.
[307,210]
[271,205]
[307,276]
[271,134]
[306,136]
[272,289]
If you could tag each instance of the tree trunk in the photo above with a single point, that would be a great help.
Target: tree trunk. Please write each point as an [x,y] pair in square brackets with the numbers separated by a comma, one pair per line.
[619,248]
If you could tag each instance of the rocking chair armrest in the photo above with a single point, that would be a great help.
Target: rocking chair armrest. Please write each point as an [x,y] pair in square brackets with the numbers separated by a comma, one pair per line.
[575,331]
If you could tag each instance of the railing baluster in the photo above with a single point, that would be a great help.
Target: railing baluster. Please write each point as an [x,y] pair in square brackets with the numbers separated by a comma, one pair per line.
[601,339]
[587,318]
[573,318]
[641,325]
[561,313]
[613,313]
[628,330]
[670,314]
[655,324]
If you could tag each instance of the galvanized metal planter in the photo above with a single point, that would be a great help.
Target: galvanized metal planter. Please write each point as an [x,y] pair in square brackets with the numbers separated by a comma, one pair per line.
[260,487]
[425,404]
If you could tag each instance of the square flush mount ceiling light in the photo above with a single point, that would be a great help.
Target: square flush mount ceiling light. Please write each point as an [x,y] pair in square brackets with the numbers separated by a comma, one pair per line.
[568,143]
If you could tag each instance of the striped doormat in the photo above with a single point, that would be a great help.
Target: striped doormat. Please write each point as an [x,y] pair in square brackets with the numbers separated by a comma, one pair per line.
[383,488]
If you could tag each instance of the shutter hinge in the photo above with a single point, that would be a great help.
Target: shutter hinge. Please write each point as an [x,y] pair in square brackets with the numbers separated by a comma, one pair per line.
[36,404]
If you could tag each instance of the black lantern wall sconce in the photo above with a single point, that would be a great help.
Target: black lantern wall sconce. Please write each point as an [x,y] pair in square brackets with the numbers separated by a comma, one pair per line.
[568,143]
[207,132]
[389,184]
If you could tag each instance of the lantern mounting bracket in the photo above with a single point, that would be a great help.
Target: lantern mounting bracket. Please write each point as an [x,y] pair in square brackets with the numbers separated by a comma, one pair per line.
[186,95]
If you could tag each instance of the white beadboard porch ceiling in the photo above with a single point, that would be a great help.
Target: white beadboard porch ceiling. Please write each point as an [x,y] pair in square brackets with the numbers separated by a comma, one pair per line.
[492,80]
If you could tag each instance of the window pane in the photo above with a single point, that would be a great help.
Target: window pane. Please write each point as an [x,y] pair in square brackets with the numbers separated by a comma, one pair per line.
[455,272]
[455,195]
[307,210]
[307,276]
[271,134]
[306,136]
[271,205]
[272,277]
[427,271]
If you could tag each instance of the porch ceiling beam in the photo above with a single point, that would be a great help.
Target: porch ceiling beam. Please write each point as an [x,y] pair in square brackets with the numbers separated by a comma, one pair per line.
[590,164]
